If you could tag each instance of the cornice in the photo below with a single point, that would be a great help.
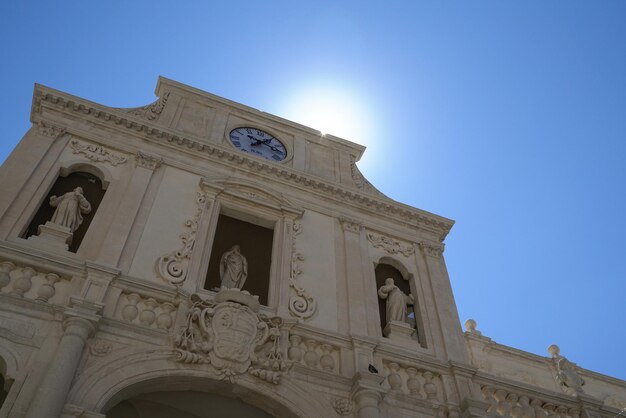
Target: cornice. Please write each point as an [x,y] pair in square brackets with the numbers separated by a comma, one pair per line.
[140,127]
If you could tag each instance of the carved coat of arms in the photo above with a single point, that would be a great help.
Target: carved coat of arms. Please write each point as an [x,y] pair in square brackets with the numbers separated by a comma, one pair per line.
[232,337]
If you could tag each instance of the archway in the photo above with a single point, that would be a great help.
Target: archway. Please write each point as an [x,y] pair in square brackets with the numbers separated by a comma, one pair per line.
[140,373]
[184,404]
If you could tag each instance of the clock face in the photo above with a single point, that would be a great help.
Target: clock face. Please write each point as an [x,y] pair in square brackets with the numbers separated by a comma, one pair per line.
[259,143]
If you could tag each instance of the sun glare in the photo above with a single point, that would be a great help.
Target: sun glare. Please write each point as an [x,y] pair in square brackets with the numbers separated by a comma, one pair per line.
[331,111]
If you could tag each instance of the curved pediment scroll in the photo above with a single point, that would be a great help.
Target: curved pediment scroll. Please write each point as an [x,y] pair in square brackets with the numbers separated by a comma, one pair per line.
[247,190]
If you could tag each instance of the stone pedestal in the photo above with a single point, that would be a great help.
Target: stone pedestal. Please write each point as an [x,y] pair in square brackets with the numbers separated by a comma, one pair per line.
[400,332]
[52,237]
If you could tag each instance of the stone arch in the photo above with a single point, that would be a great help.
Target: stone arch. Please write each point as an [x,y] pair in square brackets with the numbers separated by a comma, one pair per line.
[9,363]
[98,388]
[406,274]
[77,165]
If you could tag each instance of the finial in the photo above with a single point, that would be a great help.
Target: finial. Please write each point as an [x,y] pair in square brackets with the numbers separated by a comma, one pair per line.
[554,350]
[470,326]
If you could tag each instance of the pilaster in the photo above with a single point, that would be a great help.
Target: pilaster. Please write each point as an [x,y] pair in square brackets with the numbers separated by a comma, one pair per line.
[354,277]
[121,226]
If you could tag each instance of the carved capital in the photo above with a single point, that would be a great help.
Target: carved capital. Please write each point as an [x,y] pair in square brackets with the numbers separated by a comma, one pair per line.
[49,130]
[433,250]
[351,225]
[148,161]
[96,153]
[390,245]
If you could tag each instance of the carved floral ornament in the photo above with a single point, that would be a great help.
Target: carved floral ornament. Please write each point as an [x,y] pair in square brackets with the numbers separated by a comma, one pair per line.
[173,267]
[301,304]
[390,245]
[97,153]
[151,111]
[48,129]
[230,336]
[375,203]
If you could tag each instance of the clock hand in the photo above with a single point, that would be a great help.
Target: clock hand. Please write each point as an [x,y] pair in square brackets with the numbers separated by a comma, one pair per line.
[258,141]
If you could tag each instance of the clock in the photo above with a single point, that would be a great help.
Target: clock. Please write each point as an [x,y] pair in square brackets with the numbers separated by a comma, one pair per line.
[259,143]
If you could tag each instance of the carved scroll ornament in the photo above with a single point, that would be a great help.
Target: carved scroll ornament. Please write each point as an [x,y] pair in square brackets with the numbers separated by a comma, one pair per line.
[173,267]
[97,153]
[230,336]
[390,245]
[301,303]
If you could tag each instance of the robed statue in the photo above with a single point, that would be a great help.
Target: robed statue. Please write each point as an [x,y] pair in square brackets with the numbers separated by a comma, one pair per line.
[397,301]
[70,209]
[233,269]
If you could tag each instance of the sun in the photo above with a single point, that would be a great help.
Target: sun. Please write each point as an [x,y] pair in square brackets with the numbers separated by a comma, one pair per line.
[330,110]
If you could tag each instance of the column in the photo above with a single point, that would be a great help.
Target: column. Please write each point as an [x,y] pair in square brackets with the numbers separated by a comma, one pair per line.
[79,324]
[126,213]
[367,394]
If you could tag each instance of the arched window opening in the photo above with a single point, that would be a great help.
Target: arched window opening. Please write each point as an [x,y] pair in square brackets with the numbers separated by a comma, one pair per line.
[93,192]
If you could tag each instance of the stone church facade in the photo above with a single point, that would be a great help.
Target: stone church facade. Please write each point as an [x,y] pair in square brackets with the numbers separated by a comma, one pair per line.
[196,257]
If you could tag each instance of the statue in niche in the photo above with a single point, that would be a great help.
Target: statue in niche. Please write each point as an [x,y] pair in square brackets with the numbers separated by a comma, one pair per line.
[70,209]
[397,301]
[233,269]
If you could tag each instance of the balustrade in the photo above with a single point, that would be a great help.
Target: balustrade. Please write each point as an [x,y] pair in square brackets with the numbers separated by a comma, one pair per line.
[145,311]
[313,354]
[25,282]
[503,403]
[422,384]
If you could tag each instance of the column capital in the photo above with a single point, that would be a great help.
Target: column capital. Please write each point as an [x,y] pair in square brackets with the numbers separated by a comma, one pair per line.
[431,249]
[148,161]
[83,314]
[349,224]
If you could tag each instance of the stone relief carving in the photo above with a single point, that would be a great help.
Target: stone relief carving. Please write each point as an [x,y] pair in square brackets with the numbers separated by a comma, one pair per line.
[97,153]
[47,129]
[301,304]
[147,161]
[360,181]
[173,267]
[70,209]
[233,269]
[100,348]
[151,111]
[566,373]
[232,337]
[343,406]
[390,245]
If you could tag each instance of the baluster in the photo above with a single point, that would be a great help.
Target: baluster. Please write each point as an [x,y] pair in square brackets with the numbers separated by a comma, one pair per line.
[527,410]
[491,400]
[394,378]
[504,409]
[516,409]
[561,411]
[164,320]
[130,311]
[23,283]
[46,291]
[147,315]
[413,383]
[538,407]
[5,269]
[430,388]
[551,410]
[327,361]
[295,352]
[574,412]
[310,357]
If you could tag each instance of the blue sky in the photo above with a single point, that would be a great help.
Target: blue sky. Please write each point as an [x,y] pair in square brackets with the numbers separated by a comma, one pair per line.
[508,117]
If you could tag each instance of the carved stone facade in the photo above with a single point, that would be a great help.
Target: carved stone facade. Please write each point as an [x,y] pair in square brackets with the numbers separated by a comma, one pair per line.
[130,325]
